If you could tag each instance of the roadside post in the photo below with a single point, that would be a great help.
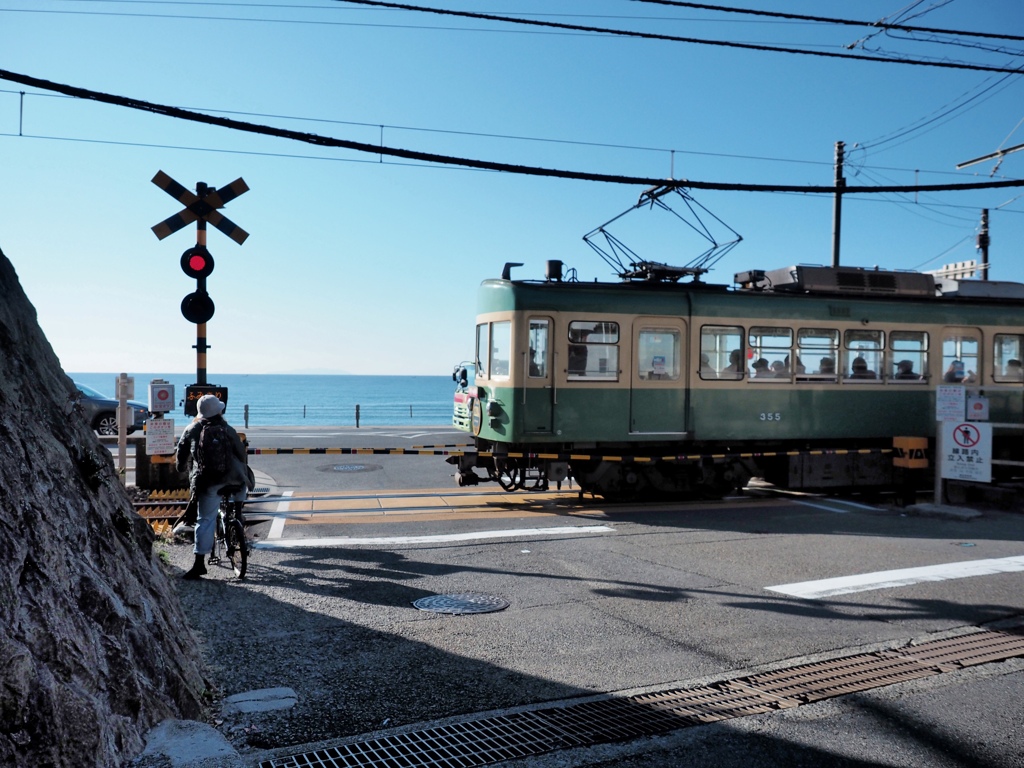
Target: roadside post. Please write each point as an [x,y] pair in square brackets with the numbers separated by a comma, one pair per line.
[197,307]
[159,429]
[124,386]
[154,457]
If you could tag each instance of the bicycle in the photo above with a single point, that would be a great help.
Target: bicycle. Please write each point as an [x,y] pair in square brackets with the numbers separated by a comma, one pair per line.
[230,533]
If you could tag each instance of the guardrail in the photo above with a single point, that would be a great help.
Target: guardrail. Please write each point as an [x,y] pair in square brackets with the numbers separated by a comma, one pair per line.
[383,414]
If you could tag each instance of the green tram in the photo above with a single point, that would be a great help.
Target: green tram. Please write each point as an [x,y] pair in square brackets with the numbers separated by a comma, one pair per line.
[802,376]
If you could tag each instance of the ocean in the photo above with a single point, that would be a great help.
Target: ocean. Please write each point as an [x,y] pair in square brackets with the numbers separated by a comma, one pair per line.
[296,400]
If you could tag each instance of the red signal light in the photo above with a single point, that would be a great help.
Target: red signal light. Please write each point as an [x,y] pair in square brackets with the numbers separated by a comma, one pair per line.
[197,262]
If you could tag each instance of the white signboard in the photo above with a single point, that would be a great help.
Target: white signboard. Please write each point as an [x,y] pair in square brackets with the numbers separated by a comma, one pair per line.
[161,396]
[966,451]
[950,403]
[160,437]
[977,408]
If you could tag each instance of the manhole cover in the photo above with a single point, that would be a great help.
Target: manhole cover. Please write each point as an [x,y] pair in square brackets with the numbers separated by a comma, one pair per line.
[350,468]
[464,602]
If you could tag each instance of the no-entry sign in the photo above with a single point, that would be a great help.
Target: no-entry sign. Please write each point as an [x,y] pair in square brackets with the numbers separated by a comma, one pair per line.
[966,451]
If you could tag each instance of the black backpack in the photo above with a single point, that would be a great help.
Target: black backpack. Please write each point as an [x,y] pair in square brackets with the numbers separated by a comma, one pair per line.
[213,450]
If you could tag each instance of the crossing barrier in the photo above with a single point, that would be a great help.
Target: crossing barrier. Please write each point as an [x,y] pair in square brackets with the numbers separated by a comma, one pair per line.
[628,458]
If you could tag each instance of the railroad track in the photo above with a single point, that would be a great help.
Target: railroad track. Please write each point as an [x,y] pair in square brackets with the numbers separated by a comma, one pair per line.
[162,508]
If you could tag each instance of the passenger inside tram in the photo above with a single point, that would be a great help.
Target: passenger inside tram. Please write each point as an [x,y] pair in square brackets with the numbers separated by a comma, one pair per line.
[905,370]
[861,370]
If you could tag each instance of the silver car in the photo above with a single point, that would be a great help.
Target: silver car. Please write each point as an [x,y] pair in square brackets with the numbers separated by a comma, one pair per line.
[101,411]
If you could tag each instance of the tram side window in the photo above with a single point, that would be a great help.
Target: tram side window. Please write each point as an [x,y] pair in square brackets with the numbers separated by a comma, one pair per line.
[908,356]
[770,354]
[538,362]
[658,354]
[960,361]
[1007,356]
[501,349]
[819,349]
[721,352]
[863,355]
[593,350]
[483,347]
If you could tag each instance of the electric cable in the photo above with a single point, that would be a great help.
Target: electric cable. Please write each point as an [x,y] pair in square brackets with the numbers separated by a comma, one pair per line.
[429,157]
[675,38]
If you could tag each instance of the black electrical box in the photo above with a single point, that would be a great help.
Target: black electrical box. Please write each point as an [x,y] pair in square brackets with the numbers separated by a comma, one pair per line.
[195,391]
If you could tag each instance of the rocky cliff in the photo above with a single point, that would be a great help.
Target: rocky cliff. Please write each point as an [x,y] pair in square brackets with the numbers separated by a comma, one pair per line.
[94,646]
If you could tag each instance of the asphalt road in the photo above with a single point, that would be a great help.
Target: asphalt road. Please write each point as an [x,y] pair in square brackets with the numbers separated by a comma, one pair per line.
[355,472]
[602,600]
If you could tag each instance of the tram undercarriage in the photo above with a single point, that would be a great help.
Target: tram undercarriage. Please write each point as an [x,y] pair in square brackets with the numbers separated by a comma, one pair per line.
[713,473]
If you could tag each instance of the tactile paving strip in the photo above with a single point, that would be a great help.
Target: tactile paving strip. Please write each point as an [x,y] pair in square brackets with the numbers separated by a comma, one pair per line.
[494,739]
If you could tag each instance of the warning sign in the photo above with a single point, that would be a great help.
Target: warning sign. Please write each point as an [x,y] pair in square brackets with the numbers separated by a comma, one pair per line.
[160,437]
[967,451]
[950,403]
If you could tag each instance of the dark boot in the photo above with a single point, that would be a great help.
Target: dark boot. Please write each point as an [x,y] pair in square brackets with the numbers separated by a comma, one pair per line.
[198,569]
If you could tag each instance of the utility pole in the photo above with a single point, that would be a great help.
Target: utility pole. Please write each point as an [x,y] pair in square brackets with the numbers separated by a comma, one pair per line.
[837,206]
[983,241]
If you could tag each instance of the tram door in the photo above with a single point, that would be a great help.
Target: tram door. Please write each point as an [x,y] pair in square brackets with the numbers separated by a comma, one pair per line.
[538,389]
[657,400]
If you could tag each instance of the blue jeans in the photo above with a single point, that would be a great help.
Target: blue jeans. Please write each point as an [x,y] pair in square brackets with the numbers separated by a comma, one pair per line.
[208,506]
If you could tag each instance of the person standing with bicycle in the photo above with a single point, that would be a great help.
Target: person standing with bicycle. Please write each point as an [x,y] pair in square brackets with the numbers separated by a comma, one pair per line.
[214,455]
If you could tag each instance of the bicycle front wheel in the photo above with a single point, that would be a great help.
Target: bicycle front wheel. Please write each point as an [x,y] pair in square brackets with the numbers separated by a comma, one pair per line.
[237,547]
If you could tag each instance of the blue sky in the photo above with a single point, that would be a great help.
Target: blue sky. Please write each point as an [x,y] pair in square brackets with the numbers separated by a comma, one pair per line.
[358,263]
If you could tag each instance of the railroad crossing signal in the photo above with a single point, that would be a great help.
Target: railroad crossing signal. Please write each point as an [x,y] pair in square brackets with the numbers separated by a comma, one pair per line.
[197,307]
[200,207]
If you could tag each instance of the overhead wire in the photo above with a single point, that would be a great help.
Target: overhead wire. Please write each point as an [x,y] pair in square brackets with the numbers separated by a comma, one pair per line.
[947,110]
[478,134]
[851,162]
[679,39]
[827,19]
[430,157]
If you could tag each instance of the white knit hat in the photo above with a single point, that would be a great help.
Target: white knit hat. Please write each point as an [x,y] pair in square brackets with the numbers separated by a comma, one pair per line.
[209,406]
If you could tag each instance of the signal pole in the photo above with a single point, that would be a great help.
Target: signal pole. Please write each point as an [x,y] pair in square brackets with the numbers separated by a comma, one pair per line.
[201,346]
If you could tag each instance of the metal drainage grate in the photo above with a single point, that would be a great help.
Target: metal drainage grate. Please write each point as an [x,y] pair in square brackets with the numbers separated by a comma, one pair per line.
[526,734]
[464,602]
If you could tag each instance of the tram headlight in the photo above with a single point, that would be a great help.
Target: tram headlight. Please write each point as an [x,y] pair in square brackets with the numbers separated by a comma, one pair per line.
[493,409]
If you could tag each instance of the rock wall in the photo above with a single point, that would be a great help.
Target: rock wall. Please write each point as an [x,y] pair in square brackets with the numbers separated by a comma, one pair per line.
[94,646]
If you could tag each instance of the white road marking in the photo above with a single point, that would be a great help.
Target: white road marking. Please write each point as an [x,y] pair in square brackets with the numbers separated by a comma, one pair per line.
[277,527]
[824,506]
[842,585]
[349,541]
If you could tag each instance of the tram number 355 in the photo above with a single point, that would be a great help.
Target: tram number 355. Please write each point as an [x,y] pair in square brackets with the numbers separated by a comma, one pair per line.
[771,416]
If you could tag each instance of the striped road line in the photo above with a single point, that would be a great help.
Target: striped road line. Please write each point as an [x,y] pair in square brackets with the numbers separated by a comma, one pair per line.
[844,585]
[352,541]
[277,527]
